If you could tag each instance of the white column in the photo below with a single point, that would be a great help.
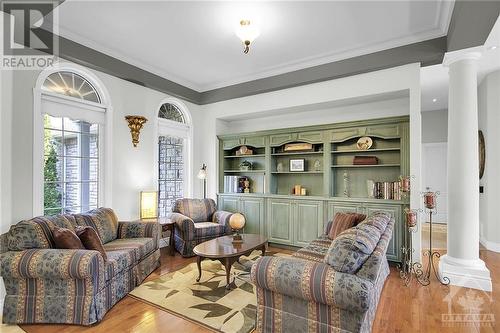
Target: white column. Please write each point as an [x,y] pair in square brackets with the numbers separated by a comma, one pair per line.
[462,264]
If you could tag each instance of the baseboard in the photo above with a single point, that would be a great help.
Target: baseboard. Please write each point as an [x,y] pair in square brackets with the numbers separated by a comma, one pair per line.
[491,246]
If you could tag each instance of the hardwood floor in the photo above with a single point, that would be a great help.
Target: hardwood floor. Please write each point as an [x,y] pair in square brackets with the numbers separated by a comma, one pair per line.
[401,309]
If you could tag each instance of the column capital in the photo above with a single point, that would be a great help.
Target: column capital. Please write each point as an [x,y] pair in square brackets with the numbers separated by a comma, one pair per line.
[473,53]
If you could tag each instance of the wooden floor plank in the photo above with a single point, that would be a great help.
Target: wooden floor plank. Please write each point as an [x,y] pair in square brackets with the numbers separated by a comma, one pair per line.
[401,309]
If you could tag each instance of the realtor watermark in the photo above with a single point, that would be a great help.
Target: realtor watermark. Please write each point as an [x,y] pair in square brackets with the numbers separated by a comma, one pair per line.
[29,34]
[472,313]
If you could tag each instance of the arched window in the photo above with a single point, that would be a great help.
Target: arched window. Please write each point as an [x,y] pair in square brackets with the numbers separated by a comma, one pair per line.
[70,128]
[171,112]
[174,154]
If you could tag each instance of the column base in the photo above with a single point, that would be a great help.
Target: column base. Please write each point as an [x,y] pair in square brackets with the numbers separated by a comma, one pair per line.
[465,273]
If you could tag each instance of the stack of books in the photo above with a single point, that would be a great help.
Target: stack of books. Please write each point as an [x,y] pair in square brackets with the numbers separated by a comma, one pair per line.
[387,190]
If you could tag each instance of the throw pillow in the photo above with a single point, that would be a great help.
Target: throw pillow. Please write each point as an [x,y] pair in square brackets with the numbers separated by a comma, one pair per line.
[344,221]
[350,250]
[66,239]
[91,239]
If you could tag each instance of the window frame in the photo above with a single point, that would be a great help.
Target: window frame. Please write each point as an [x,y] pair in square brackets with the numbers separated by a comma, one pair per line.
[166,127]
[100,110]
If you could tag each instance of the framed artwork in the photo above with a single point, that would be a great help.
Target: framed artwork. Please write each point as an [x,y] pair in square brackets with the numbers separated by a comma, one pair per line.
[297,165]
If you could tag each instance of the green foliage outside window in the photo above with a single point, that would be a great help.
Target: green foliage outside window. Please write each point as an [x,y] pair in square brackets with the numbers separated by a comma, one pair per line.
[51,195]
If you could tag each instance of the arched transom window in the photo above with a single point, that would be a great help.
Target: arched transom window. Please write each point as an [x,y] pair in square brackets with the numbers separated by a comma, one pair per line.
[71,84]
[171,112]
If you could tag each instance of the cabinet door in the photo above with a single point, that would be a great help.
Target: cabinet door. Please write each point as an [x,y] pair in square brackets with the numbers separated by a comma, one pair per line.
[341,207]
[229,203]
[279,221]
[394,248]
[311,137]
[253,209]
[308,220]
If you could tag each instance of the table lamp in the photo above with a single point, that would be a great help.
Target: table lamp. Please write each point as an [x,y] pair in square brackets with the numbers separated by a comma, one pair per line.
[149,204]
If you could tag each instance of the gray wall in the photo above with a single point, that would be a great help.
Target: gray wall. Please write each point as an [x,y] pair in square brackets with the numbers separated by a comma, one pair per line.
[435,126]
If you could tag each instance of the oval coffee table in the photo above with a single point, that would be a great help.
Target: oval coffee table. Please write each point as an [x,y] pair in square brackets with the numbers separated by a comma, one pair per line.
[227,252]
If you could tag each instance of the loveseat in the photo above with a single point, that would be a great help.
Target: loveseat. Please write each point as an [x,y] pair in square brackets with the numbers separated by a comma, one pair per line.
[197,221]
[328,286]
[48,285]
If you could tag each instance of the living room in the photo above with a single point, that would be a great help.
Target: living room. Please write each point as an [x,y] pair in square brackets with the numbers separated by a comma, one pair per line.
[249,166]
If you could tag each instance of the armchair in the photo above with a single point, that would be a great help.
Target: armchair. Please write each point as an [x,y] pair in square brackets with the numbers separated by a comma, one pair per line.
[196,221]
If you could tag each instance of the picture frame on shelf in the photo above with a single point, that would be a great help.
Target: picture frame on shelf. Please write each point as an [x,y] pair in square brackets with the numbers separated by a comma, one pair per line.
[297,165]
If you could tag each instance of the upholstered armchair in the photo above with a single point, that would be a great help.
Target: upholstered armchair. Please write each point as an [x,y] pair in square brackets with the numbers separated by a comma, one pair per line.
[196,221]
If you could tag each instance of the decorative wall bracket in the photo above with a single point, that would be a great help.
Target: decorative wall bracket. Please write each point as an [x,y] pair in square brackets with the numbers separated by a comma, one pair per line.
[135,124]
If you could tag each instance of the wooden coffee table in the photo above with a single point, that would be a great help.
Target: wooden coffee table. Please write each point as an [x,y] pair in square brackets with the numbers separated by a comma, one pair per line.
[227,252]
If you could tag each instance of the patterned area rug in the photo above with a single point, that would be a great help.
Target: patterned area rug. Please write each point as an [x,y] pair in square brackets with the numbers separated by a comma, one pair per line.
[207,302]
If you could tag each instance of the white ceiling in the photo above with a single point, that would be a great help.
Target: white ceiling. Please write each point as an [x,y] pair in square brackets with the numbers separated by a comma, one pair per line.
[434,79]
[193,43]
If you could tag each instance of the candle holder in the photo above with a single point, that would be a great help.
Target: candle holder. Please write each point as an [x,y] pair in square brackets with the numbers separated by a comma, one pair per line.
[423,277]
[408,268]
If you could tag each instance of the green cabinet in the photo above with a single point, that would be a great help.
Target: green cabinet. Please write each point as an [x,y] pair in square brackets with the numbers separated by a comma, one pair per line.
[252,208]
[279,221]
[294,222]
[308,221]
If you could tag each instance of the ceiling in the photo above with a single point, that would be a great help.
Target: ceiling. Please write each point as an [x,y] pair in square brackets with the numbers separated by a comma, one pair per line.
[434,79]
[193,43]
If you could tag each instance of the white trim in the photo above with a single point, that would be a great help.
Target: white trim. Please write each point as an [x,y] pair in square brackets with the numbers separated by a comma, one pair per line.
[465,273]
[182,130]
[105,141]
[489,245]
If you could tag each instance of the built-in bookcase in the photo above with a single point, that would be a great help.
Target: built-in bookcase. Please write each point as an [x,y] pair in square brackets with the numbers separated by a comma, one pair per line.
[388,169]
[256,175]
[283,179]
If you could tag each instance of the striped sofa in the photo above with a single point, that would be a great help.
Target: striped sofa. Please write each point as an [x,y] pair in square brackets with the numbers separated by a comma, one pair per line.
[196,221]
[328,286]
[48,285]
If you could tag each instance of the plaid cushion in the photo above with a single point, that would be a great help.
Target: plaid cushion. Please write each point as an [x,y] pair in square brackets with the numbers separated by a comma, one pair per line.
[199,210]
[378,220]
[103,220]
[141,246]
[208,230]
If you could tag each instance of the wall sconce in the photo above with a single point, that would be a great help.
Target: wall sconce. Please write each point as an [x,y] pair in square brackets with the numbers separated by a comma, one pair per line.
[202,174]
[149,204]
[135,124]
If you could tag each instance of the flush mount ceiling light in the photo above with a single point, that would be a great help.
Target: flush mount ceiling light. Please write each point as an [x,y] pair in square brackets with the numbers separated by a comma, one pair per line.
[434,100]
[247,33]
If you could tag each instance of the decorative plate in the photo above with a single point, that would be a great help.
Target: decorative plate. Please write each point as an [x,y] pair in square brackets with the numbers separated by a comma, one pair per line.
[364,143]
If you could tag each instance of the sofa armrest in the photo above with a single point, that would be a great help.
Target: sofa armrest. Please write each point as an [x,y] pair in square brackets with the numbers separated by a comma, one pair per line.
[310,281]
[222,217]
[139,230]
[184,224]
[52,264]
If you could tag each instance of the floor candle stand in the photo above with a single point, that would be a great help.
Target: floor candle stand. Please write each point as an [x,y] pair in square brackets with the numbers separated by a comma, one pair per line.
[407,269]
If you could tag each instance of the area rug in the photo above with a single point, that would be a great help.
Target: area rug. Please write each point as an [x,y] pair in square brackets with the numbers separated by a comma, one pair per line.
[207,302]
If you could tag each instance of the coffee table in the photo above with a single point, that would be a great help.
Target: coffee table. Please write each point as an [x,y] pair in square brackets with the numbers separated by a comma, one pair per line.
[223,249]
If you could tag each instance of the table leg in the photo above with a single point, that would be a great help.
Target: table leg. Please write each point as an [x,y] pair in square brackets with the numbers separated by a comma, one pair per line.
[198,263]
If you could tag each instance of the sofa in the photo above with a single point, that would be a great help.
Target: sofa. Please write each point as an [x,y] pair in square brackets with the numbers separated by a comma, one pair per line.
[327,286]
[196,221]
[48,285]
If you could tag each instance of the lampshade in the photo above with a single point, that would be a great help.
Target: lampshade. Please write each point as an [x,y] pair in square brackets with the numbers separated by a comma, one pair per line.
[149,204]
[237,221]
[202,174]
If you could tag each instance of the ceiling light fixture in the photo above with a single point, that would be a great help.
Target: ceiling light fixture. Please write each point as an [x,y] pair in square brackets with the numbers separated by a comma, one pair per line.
[434,100]
[247,33]
[493,47]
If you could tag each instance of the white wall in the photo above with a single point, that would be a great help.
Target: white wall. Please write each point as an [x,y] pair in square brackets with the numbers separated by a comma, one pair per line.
[403,78]
[489,123]
[435,126]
